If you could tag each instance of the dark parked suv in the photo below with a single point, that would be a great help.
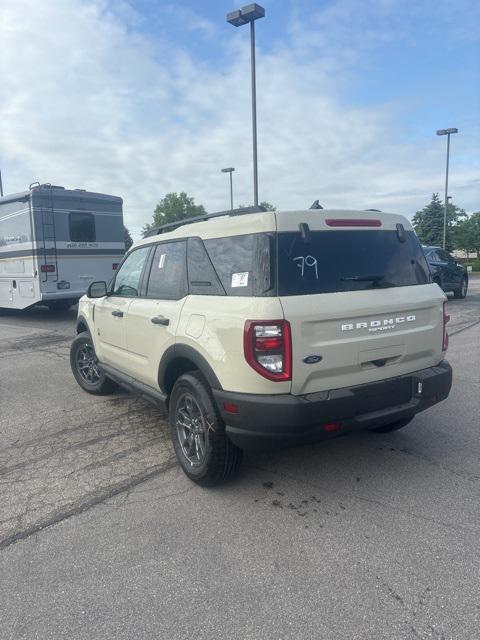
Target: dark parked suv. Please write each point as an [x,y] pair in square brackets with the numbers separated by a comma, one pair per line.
[446,271]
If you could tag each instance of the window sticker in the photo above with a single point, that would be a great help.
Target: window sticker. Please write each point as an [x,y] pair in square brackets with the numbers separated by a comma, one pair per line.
[240,279]
[161,262]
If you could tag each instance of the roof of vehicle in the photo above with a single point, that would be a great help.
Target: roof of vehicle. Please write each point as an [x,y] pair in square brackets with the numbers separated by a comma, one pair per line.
[43,190]
[231,223]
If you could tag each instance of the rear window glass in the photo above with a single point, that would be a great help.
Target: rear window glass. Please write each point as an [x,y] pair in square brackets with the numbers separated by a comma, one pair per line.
[348,261]
[82,227]
[243,263]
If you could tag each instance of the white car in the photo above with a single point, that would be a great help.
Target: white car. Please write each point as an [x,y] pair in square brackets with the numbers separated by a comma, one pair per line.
[258,328]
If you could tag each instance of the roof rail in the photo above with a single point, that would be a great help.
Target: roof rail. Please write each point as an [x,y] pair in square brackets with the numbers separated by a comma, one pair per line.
[208,216]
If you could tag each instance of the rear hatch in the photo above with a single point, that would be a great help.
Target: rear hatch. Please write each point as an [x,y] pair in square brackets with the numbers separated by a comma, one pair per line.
[356,290]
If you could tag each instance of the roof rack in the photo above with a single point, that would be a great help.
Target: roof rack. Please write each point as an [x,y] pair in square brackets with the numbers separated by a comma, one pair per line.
[231,212]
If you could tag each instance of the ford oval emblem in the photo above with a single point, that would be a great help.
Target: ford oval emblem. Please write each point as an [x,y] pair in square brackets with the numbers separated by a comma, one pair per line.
[312,359]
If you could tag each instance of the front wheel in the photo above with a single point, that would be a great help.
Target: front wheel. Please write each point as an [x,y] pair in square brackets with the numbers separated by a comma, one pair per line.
[85,368]
[205,453]
[393,426]
[462,291]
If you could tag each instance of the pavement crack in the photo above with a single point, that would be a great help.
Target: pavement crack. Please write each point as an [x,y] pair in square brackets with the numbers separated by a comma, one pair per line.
[86,503]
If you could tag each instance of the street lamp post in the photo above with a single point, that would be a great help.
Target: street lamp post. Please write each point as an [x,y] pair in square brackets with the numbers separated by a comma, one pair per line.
[446,132]
[230,170]
[249,14]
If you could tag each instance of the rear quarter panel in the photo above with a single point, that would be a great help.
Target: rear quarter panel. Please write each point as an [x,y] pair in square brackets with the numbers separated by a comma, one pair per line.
[214,326]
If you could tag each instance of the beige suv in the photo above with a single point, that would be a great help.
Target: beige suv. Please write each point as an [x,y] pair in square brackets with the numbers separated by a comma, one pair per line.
[260,328]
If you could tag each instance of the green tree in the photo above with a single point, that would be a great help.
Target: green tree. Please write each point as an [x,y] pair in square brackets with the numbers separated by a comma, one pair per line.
[428,222]
[467,234]
[127,238]
[269,207]
[173,208]
[266,205]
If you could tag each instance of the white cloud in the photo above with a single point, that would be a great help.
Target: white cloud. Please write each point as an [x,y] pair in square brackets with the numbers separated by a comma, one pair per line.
[89,102]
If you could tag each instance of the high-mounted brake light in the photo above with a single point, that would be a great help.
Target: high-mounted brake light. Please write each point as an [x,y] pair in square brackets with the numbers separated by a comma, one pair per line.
[267,346]
[352,222]
[446,318]
[47,268]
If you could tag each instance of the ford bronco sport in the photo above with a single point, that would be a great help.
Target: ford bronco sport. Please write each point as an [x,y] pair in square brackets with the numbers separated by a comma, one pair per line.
[263,328]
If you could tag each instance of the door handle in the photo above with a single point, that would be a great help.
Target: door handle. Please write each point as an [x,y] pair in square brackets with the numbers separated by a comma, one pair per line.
[117,314]
[161,320]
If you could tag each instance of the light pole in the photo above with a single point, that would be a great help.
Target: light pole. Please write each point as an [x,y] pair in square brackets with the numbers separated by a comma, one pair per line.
[446,132]
[249,14]
[230,170]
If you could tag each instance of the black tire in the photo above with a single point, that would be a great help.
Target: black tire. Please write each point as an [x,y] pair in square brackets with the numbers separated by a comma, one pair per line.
[203,449]
[393,426]
[83,360]
[462,291]
[59,306]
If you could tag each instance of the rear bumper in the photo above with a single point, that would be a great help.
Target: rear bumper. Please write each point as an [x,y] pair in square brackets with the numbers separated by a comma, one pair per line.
[266,421]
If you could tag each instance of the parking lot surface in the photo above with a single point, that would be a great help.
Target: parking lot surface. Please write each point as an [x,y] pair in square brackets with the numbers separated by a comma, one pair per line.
[101,535]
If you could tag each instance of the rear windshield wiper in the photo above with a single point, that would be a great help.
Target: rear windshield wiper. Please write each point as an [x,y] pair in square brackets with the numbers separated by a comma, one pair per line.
[363,278]
[376,280]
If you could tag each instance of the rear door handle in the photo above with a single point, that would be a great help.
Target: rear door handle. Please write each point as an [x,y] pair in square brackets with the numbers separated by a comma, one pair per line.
[161,320]
[117,314]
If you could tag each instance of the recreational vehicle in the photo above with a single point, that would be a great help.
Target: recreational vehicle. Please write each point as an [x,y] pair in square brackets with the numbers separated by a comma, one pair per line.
[54,242]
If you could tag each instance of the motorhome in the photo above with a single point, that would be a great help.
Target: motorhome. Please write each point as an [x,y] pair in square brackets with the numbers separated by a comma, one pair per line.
[54,242]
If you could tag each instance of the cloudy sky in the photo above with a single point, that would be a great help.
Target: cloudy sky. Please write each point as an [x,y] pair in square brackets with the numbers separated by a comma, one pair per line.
[141,97]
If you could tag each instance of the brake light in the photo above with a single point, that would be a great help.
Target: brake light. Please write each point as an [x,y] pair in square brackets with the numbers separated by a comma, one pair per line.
[446,318]
[115,266]
[47,268]
[268,348]
[352,222]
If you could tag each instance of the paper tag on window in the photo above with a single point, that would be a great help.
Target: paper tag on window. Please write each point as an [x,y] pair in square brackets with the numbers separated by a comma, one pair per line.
[240,279]
[161,262]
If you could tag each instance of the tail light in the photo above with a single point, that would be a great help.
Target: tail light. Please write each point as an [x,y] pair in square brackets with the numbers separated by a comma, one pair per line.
[446,318]
[268,348]
[47,268]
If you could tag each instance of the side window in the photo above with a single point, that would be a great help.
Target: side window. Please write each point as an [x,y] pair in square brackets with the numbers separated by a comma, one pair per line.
[243,264]
[168,274]
[127,280]
[201,275]
[82,227]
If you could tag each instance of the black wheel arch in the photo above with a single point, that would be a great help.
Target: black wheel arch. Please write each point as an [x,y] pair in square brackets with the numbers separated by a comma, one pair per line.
[82,325]
[177,360]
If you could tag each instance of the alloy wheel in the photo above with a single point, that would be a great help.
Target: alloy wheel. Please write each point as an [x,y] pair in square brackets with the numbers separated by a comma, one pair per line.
[87,364]
[191,429]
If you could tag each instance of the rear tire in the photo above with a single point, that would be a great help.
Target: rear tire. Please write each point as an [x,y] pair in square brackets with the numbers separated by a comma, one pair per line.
[462,292]
[85,369]
[203,449]
[393,426]
[59,306]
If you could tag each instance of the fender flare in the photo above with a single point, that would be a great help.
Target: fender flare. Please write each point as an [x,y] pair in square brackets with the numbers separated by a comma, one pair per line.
[81,320]
[185,351]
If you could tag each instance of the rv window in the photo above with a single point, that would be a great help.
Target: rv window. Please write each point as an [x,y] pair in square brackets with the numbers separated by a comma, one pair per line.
[82,227]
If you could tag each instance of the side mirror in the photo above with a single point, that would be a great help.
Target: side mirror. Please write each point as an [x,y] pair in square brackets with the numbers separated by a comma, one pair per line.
[97,289]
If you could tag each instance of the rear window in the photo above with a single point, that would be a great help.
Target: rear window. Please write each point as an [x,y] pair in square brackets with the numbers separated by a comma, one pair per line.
[348,261]
[244,264]
[82,227]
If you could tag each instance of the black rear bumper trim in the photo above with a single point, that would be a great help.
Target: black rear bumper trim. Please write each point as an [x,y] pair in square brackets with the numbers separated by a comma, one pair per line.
[264,421]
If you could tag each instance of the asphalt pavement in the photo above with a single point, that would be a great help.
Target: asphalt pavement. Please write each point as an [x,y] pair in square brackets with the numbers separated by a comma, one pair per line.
[102,536]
